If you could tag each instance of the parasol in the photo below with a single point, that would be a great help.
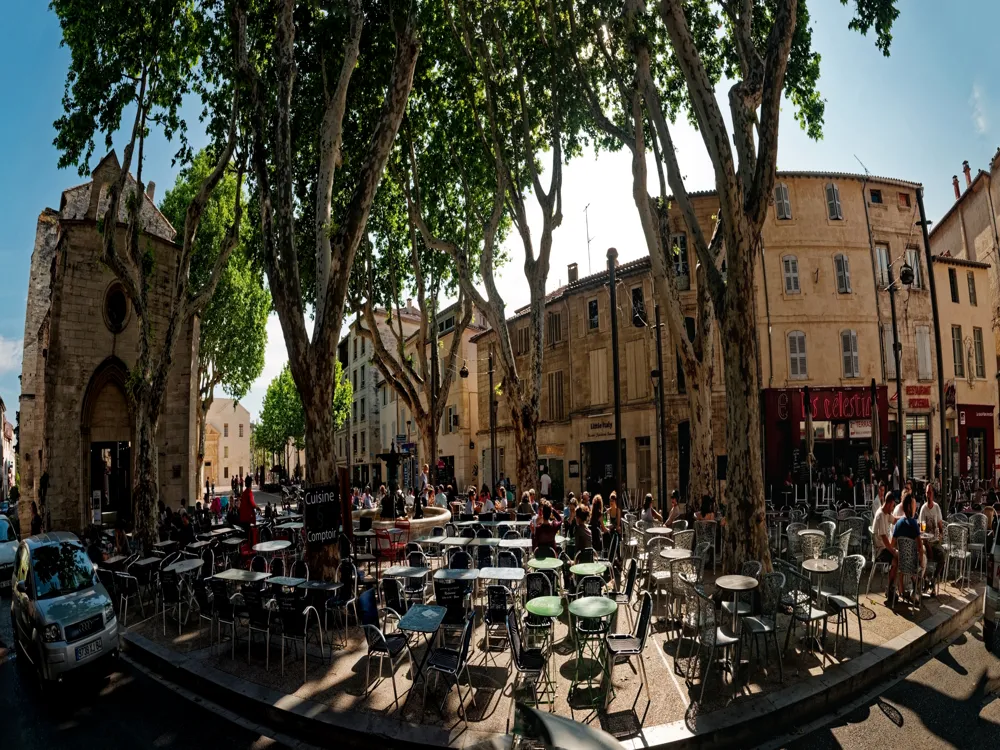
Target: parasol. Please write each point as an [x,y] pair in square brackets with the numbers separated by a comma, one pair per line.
[810,435]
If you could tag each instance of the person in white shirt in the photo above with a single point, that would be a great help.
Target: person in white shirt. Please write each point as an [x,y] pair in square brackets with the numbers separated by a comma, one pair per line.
[879,498]
[884,547]
[897,512]
[545,483]
[366,500]
[425,477]
[932,520]
[442,499]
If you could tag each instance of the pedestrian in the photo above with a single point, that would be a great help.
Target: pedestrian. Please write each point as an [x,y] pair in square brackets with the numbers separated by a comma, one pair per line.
[248,511]
[649,513]
[544,483]
[524,507]
[597,527]
[216,508]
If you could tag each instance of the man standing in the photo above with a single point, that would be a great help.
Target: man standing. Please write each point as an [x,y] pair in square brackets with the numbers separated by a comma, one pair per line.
[248,510]
[544,483]
[885,550]
[933,523]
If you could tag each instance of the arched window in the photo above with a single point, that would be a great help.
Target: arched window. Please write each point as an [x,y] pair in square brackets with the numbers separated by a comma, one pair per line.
[843,269]
[797,366]
[790,268]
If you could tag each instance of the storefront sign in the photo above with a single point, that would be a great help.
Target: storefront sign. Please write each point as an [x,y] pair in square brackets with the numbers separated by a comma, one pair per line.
[961,417]
[861,428]
[918,403]
[829,404]
[550,450]
[918,390]
[600,426]
[322,515]
[574,468]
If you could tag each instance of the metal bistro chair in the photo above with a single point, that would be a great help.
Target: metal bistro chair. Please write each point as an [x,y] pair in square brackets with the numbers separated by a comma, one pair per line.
[225,610]
[394,600]
[830,529]
[625,646]
[711,638]
[293,619]
[957,550]
[812,546]
[744,599]
[805,612]
[345,598]
[624,598]
[499,607]
[794,541]
[127,586]
[452,663]
[909,566]
[977,541]
[392,646]
[300,569]
[416,589]
[849,597]
[589,631]
[530,665]
[705,531]
[684,539]
[765,625]
[171,593]
[258,613]
[537,584]
[461,560]
[682,572]
[507,559]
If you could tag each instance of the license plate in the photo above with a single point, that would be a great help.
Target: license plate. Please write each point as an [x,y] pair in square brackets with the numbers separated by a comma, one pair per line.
[88,649]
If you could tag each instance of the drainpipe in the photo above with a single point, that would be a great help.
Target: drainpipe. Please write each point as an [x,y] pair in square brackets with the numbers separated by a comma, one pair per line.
[767,314]
[871,253]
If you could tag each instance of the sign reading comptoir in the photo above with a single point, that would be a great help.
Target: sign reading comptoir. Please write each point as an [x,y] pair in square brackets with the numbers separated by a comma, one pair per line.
[322,514]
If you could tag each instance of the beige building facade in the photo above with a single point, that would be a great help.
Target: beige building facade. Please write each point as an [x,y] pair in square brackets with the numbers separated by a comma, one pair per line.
[228,427]
[834,248]
[80,342]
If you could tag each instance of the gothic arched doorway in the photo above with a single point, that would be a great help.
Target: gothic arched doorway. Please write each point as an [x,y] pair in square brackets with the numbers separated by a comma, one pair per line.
[106,427]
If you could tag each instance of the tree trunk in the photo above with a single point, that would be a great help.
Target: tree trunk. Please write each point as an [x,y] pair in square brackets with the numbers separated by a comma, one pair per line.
[321,460]
[204,405]
[699,394]
[526,449]
[745,535]
[145,490]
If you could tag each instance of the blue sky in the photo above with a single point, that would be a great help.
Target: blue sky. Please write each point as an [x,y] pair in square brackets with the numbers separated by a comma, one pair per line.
[915,115]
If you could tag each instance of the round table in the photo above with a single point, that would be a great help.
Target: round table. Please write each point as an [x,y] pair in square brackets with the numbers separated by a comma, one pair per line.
[812,532]
[819,567]
[659,531]
[515,543]
[290,526]
[736,584]
[588,569]
[546,606]
[276,545]
[592,606]
[672,553]
[545,563]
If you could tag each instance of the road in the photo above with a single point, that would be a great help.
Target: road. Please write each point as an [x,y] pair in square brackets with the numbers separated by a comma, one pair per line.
[948,700]
[128,710]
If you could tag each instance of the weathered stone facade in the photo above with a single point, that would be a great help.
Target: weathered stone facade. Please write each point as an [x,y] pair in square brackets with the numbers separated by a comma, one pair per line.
[81,340]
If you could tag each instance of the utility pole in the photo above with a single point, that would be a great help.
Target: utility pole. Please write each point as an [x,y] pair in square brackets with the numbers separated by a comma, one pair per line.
[945,447]
[662,437]
[612,264]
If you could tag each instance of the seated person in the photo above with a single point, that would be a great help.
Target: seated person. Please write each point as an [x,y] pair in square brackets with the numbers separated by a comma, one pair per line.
[884,550]
[907,527]
[650,514]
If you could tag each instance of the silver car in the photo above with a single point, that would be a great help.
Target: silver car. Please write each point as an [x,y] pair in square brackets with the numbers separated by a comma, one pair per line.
[8,548]
[62,616]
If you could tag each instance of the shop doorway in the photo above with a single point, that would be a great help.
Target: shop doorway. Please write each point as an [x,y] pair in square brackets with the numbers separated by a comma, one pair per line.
[597,461]
[555,468]
[683,458]
[111,481]
[976,460]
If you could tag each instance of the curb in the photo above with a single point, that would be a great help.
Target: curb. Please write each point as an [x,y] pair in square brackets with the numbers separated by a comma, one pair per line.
[748,722]
[739,725]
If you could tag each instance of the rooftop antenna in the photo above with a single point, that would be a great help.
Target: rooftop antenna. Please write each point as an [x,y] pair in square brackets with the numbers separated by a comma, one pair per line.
[586,218]
[867,173]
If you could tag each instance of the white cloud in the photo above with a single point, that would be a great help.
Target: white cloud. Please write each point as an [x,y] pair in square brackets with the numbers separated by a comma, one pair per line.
[978,103]
[10,354]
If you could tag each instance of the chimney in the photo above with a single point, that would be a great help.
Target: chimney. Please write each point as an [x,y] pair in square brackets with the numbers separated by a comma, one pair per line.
[573,272]
[150,190]
[968,173]
[954,184]
[409,302]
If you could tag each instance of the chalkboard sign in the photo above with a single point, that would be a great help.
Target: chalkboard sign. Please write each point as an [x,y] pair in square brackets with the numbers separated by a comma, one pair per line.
[322,515]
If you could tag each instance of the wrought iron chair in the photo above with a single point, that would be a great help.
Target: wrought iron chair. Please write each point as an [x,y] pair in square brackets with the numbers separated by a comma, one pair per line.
[499,606]
[258,614]
[530,665]
[830,529]
[225,610]
[705,531]
[452,663]
[684,539]
[909,566]
[293,618]
[765,625]
[392,646]
[849,598]
[626,646]
[711,638]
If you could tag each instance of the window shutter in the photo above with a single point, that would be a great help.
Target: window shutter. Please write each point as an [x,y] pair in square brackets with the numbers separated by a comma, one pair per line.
[843,274]
[890,358]
[786,201]
[598,376]
[846,352]
[831,205]
[923,353]
[791,264]
[856,371]
[638,376]
[793,355]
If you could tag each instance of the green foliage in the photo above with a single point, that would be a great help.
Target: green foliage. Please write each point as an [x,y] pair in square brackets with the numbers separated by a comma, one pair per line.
[282,417]
[234,324]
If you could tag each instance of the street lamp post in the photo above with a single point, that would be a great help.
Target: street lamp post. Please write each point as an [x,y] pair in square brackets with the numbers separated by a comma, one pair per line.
[612,264]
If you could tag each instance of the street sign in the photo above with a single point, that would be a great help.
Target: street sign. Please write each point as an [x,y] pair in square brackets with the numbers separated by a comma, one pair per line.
[322,515]
[400,439]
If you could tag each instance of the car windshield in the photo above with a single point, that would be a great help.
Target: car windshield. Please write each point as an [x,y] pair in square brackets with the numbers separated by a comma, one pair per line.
[61,569]
[6,532]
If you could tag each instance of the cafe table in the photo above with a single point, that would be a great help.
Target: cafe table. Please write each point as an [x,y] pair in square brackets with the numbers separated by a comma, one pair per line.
[272,547]
[812,532]
[405,571]
[818,568]
[487,542]
[560,540]
[545,563]
[184,568]
[424,619]
[455,541]
[113,562]
[239,575]
[673,553]
[658,531]
[515,543]
[592,608]
[165,546]
[195,546]
[456,574]
[285,581]
[506,575]
[546,606]
[588,569]
[234,542]
[290,526]
[736,584]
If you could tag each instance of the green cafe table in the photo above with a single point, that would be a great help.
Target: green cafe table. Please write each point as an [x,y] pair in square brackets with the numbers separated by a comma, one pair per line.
[588,569]
[597,610]
[545,563]
[546,606]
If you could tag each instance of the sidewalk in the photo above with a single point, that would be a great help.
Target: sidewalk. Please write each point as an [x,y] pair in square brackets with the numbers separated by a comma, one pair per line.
[335,694]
